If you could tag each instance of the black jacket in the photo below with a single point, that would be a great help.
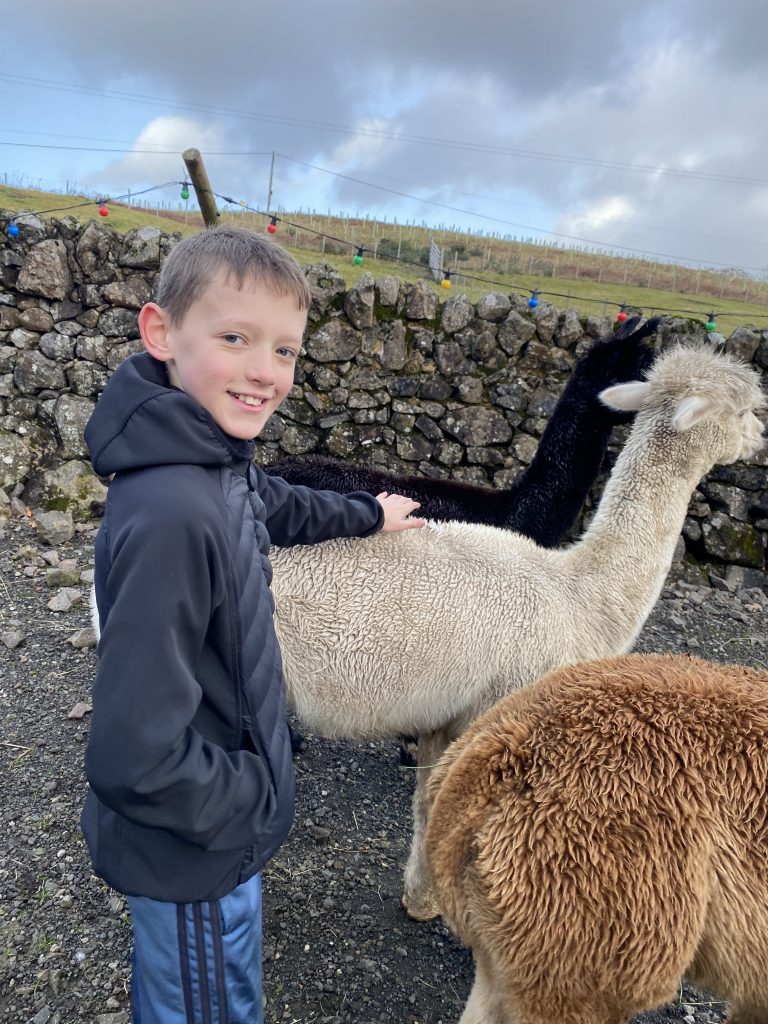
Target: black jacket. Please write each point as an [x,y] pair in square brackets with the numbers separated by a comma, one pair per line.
[188,757]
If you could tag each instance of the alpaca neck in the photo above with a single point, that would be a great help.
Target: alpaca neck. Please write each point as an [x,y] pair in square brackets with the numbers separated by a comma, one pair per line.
[548,496]
[627,551]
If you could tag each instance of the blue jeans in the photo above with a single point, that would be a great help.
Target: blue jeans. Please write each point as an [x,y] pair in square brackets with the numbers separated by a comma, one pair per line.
[198,963]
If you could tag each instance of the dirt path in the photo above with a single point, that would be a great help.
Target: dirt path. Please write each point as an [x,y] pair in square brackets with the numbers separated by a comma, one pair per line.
[337,946]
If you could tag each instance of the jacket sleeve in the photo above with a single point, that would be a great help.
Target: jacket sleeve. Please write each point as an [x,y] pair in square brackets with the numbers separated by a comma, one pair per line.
[162,584]
[302,515]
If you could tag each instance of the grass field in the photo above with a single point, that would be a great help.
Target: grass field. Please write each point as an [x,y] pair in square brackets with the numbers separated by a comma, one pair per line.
[588,281]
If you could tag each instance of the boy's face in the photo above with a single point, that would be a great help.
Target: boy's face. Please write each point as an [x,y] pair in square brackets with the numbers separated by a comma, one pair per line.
[234,351]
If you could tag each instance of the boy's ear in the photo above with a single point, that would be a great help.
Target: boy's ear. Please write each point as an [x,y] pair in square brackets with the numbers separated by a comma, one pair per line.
[154,330]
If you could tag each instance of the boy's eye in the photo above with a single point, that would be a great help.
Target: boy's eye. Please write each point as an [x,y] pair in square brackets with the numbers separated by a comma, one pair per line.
[232,339]
[287,353]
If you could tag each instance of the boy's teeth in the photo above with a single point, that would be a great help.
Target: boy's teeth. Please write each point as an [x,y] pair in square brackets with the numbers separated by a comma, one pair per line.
[250,400]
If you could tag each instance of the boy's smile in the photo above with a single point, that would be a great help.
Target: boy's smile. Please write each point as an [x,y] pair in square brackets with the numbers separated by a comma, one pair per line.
[234,351]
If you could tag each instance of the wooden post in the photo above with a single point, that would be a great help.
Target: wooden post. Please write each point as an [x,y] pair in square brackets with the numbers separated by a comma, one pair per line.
[201,185]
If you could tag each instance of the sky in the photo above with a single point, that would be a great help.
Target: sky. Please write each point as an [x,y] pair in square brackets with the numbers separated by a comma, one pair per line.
[639,127]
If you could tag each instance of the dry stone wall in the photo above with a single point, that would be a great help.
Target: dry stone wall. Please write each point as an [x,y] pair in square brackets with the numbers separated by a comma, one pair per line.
[389,375]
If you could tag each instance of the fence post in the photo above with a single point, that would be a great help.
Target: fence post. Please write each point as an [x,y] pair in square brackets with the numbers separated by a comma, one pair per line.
[201,185]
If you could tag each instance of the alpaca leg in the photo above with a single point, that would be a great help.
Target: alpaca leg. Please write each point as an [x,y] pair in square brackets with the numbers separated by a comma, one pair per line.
[482,1006]
[418,898]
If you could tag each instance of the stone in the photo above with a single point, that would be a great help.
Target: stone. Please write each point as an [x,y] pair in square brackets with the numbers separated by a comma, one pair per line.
[542,402]
[15,459]
[13,638]
[477,426]
[334,341]
[133,292]
[736,502]
[71,487]
[36,319]
[545,317]
[87,378]
[456,314]
[46,270]
[449,357]
[474,475]
[359,302]
[118,353]
[35,372]
[428,428]
[83,638]
[514,333]
[10,318]
[479,342]
[65,600]
[743,343]
[509,395]
[96,251]
[737,576]
[141,249]
[325,285]
[569,330]
[494,307]
[524,447]
[93,349]
[119,323]
[599,327]
[298,441]
[435,389]
[8,356]
[414,447]
[23,339]
[394,349]
[57,347]
[71,414]
[69,328]
[65,574]
[732,541]
[55,527]
[342,441]
[469,390]
[421,302]
[388,289]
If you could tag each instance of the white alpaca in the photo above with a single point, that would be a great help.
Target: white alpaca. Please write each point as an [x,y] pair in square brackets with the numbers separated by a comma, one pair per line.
[422,631]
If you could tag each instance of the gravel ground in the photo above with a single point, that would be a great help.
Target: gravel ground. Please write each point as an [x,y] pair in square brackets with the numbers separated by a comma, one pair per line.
[337,946]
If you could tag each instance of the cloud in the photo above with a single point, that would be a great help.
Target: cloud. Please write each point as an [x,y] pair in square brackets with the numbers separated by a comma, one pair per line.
[516,89]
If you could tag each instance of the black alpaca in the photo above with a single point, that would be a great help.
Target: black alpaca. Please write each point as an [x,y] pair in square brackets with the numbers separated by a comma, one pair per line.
[545,500]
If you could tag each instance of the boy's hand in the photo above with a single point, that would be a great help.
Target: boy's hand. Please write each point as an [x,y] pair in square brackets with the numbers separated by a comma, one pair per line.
[397,511]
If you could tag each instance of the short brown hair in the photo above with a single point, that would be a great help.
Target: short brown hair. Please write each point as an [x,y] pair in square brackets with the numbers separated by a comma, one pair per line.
[236,252]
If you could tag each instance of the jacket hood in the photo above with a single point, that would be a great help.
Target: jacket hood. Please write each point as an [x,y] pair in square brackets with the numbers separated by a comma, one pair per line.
[141,420]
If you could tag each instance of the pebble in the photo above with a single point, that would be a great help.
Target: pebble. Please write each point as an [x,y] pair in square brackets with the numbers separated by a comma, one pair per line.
[83,638]
[13,638]
[66,599]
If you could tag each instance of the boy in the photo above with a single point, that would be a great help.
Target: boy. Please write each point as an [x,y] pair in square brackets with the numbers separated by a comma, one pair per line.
[188,758]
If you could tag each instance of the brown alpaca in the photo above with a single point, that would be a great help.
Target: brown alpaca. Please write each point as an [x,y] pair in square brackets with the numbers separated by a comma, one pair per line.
[598,835]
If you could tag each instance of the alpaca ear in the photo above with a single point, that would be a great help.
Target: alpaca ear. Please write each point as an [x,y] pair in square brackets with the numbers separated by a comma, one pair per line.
[691,411]
[625,397]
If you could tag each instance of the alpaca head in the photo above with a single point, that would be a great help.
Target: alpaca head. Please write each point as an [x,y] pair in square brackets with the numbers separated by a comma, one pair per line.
[623,357]
[695,387]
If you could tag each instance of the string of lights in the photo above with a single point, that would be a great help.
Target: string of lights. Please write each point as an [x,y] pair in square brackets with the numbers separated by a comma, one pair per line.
[449,275]
[12,227]
[360,251]
[509,223]
[645,253]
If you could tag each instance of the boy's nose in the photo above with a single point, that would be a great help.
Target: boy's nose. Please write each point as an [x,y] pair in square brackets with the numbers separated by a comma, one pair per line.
[260,368]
